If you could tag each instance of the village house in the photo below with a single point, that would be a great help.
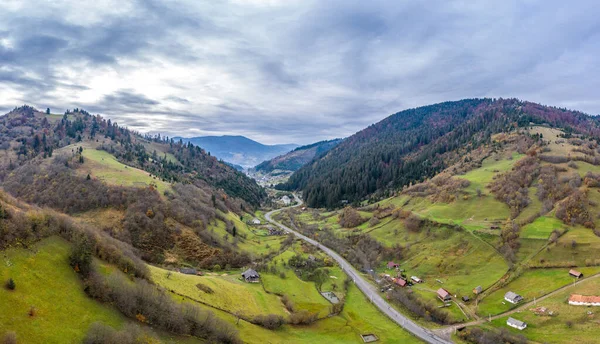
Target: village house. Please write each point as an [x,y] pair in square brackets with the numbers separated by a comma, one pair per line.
[444,295]
[286,200]
[255,221]
[513,298]
[275,231]
[477,290]
[188,271]
[251,276]
[512,322]
[392,265]
[416,279]
[575,273]
[583,300]
[466,299]
[399,282]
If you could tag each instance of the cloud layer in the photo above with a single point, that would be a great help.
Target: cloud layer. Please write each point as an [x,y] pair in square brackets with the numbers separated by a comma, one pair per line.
[291,71]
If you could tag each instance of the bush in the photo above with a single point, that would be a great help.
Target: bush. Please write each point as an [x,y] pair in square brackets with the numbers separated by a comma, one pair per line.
[205,288]
[270,322]
[9,338]
[10,284]
[303,317]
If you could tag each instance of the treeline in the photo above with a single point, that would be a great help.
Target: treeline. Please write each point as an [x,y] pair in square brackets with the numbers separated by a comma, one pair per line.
[150,305]
[424,309]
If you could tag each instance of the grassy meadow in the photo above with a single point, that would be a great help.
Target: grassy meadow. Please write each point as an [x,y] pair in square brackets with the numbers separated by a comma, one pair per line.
[45,281]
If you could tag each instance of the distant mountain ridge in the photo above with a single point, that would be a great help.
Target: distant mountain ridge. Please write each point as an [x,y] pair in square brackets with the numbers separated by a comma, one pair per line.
[297,158]
[237,149]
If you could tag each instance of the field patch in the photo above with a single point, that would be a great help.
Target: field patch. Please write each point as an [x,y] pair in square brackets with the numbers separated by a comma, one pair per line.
[229,292]
[571,324]
[45,281]
[541,228]
[532,283]
[104,166]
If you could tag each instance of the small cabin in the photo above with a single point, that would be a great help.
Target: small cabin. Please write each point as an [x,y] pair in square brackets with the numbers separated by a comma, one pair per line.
[513,298]
[575,273]
[444,295]
[251,276]
[477,290]
[416,279]
[392,265]
[512,322]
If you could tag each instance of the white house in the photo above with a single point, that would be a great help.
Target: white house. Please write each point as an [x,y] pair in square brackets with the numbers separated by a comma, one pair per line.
[255,221]
[513,298]
[416,279]
[512,322]
[583,300]
[286,200]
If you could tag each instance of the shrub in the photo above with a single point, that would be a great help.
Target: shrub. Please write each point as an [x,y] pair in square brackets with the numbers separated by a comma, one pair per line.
[10,284]
[270,322]
[350,218]
[303,317]
[32,311]
[9,338]
[205,288]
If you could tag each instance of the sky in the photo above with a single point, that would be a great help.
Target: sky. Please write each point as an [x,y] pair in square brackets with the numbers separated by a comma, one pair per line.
[293,71]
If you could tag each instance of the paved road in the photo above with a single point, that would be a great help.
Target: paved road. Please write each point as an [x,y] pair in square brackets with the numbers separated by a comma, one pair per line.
[369,290]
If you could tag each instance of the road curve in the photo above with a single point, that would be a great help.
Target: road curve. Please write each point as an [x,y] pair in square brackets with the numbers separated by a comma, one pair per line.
[369,290]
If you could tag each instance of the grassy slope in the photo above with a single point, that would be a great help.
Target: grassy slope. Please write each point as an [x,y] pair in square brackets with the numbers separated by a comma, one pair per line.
[230,293]
[358,317]
[532,283]
[46,281]
[104,166]
[554,329]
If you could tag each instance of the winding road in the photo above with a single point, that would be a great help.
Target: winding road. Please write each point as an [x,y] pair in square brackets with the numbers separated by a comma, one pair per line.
[369,290]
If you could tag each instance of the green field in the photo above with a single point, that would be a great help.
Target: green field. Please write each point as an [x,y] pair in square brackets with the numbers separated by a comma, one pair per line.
[104,166]
[555,329]
[484,175]
[230,293]
[358,317]
[45,281]
[541,227]
[532,283]
[460,260]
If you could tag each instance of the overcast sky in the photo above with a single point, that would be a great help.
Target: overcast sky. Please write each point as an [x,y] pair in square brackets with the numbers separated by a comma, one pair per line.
[292,71]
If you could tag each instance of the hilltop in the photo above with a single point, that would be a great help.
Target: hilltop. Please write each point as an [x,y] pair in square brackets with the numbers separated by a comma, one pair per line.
[416,144]
[238,150]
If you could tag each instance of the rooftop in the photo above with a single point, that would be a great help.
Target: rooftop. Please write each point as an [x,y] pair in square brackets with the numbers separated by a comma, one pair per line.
[584,298]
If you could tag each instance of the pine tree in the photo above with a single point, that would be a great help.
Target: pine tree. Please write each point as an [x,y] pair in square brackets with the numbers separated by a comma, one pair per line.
[10,284]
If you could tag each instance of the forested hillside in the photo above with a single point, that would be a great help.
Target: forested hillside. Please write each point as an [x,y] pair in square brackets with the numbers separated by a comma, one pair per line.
[28,133]
[416,144]
[158,195]
[297,158]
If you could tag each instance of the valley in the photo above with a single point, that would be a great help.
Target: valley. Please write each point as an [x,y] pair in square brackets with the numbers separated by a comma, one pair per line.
[162,223]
